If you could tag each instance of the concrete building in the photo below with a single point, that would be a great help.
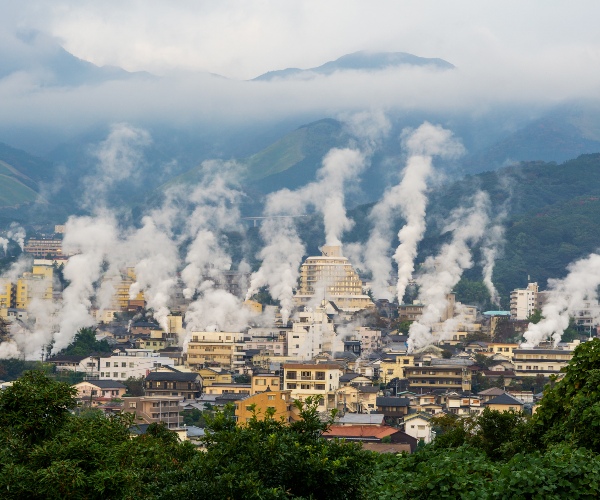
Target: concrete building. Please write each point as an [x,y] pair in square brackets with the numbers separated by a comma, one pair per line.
[448,377]
[312,333]
[523,301]
[154,409]
[216,349]
[134,363]
[263,381]
[278,404]
[185,385]
[331,277]
[321,380]
[418,426]
[542,361]
[96,391]
[44,247]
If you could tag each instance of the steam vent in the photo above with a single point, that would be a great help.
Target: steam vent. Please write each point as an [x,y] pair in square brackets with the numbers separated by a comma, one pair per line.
[331,277]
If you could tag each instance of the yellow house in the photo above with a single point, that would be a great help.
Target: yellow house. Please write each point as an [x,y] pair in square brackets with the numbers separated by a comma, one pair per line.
[504,402]
[280,402]
[506,349]
[211,376]
[264,381]
[358,399]
[394,366]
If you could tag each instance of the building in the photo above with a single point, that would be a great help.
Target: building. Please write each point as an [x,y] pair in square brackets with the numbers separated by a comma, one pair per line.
[320,380]
[542,361]
[393,408]
[504,402]
[418,426]
[44,247]
[154,409]
[446,377]
[212,376]
[263,381]
[216,349]
[358,398]
[394,365]
[367,434]
[96,391]
[278,404]
[134,363]
[331,277]
[171,382]
[312,333]
[523,301]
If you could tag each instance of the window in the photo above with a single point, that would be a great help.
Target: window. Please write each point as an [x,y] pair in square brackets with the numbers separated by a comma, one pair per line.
[320,376]
[102,374]
[130,365]
[249,407]
[123,365]
[304,386]
[115,364]
[320,387]
[271,397]
[261,381]
[132,405]
[291,375]
[108,364]
[390,371]
[291,386]
[123,375]
[115,375]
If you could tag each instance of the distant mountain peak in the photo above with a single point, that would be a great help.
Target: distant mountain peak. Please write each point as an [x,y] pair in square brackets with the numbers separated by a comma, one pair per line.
[359,61]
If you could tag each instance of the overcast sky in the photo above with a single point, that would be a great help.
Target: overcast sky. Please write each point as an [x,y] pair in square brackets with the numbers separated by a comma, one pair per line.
[536,52]
[241,39]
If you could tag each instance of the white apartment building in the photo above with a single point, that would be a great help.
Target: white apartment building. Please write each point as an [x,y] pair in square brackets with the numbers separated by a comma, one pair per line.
[523,301]
[313,332]
[313,379]
[134,363]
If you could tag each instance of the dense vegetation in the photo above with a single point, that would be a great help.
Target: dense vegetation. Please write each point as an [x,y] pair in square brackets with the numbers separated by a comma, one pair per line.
[48,452]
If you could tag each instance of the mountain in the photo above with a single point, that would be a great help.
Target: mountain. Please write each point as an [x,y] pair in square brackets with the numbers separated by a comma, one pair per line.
[358,61]
[20,175]
[44,59]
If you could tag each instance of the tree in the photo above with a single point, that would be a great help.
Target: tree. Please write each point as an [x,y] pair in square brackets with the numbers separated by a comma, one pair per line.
[135,386]
[84,344]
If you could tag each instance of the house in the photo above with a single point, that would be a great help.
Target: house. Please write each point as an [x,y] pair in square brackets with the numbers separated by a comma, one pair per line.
[263,381]
[361,419]
[368,434]
[394,365]
[490,393]
[443,376]
[232,388]
[393,408]
[357,398]
[154,409]
[354,379]
[504,402]
[278,402]
[96,391]
[212,376]
[418,426]
[64,362]
[186,385]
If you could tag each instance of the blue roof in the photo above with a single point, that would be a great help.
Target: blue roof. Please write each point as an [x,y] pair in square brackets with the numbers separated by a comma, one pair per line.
[496,313]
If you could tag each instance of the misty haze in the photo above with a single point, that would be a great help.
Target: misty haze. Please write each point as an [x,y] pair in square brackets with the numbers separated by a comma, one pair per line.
[281,250]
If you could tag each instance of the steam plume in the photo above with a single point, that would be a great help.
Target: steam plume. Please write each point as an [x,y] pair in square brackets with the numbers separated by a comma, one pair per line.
[410,199]
[567,296]
[443,272]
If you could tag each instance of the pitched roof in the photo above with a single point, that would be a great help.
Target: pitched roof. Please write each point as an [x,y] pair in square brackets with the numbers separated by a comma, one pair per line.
[504,399]
[424,416]
[66,358]
[492,391]
[360,431]
[173,376]
[368,389]
[392,401]
[362,418]
[105,384]
[347,377]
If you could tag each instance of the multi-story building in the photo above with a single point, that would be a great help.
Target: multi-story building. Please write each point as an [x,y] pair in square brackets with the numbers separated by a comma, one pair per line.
[321,380]
[134,363]
[44,247]
[394,366]
[278,403]
[155,409]
[220,349]
[173,383]
[272,341]
[331,277]
[523,301]
[313,332]
[212,376]
[448,377]
[263,381]
[542,361]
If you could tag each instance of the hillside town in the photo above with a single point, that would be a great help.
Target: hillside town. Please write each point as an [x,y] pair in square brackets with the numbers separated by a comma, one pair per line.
[340,347]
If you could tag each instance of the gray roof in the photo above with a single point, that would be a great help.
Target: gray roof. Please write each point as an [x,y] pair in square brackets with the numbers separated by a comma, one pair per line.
[392,401]
[361,419]
[451,361]
[347,377]
[173,376]
[492,391]
[106,384]
[367,388]
[66,358]
[504,399]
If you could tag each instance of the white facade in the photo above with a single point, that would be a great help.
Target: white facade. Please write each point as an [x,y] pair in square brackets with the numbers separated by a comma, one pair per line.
[523,301]
[312,333]
[418,427]
[134,363]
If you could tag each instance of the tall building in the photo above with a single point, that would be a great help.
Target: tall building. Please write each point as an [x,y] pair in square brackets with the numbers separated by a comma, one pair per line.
[216,349]
[331,277]
[312,333]
[523,301]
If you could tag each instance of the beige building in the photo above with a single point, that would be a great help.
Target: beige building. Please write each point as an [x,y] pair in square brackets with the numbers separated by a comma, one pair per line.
[313,332]
[154,409]
[539,361]
[331,277]
[321,380]
[212,376]
[44,247]
[216,349]
[394,366]
[263,381]
[447,377]
[523,301]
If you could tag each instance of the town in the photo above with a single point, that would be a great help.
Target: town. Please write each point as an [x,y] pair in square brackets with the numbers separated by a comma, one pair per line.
[340,347]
